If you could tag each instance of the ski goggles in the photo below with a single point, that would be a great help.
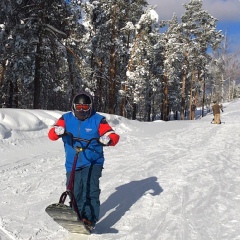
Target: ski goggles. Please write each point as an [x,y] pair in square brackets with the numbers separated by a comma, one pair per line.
[82,107]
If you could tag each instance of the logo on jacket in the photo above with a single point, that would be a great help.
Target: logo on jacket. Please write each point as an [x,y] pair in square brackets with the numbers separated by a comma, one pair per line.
[88,129]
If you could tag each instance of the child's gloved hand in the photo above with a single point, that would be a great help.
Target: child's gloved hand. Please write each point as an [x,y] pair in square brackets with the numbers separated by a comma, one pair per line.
[104,140]
[59,130]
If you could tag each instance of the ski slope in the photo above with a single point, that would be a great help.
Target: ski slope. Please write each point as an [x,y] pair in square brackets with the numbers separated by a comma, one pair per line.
[177,180]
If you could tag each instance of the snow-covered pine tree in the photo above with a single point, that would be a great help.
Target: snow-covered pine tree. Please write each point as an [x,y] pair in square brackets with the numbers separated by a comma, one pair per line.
[143,78]
[200,34]
[224,69]
[110,48]
[173,65]
[78,45]
[32,32]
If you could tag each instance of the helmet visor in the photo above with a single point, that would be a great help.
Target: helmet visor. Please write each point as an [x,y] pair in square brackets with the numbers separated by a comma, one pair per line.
[81,107]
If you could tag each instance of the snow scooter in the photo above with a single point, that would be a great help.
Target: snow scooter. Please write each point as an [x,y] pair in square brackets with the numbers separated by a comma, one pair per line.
[68,216]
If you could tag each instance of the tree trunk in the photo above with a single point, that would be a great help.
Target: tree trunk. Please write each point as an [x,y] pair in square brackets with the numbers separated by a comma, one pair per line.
[191,105]
[101,89]
[149,106]
[134,114]
[204,92]
[184,77]
[71,74]
[10,96]
[165,98]
[2,70]
[37,76]
[124,88]
[129,68]
[112,66]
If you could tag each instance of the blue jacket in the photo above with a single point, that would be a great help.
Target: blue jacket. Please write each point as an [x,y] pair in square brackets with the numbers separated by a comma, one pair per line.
[86,129]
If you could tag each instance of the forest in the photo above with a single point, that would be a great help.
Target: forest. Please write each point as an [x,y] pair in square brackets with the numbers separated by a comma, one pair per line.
[135,64]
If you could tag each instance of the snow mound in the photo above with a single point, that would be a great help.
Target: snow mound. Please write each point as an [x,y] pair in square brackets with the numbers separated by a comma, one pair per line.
[25,120]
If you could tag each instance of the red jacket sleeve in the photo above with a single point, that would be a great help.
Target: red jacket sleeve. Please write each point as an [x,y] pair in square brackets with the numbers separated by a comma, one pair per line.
[51,134]
[106,129]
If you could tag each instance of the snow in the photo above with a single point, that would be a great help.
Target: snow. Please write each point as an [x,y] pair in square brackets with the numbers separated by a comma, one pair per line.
[176,180]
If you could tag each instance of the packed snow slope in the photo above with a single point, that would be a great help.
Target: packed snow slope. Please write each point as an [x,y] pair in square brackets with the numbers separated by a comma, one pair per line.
[176,180]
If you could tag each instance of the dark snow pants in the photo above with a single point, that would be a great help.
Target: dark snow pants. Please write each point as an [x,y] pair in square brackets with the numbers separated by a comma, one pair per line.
[87,191]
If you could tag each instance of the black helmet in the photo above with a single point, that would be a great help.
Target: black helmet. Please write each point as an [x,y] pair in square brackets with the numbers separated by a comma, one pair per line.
[86,99]
[82,99]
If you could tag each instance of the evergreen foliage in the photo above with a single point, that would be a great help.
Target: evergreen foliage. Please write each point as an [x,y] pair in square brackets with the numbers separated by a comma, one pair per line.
[50,50]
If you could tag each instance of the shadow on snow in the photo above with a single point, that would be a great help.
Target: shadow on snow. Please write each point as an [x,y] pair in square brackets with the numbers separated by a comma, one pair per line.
[121,201]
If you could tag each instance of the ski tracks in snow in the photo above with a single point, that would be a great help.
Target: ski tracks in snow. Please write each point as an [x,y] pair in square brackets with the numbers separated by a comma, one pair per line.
[196,184]
[30,181]
[4,234]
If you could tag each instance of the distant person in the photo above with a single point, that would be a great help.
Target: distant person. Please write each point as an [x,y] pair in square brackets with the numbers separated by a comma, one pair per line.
[84,122]
[216,108]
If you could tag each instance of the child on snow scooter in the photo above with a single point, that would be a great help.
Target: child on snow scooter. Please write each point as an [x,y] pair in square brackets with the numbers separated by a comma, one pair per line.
[84,122]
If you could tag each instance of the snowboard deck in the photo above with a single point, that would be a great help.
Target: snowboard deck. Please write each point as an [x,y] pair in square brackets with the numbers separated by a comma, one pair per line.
[67,218]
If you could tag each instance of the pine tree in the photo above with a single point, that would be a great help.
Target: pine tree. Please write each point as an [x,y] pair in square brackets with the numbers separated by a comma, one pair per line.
[224,69]
[142,73]
[33,31]
[200,34]
[110,43]
[173,59]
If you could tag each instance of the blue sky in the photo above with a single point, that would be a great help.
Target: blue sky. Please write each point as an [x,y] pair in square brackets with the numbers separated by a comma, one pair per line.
[226,11]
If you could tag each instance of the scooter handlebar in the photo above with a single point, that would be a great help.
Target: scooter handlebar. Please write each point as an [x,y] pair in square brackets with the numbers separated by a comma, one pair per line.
[88,141]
